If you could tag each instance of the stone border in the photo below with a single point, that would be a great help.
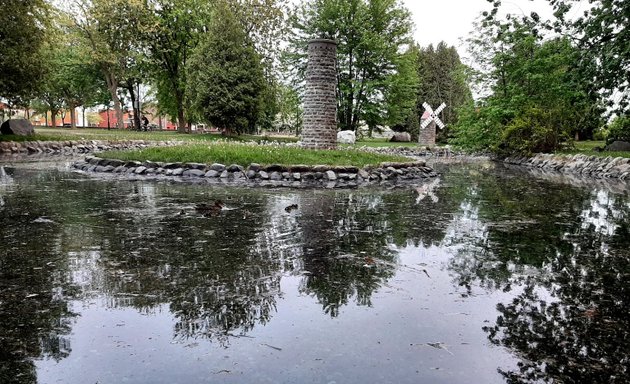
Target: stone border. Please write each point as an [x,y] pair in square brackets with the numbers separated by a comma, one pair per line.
[71,147]
[593,166]
[255,174]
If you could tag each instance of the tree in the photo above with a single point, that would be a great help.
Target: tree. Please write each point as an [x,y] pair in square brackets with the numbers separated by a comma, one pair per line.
[443,80]
[113,30]
[371,36]
[22,34]
[602,38]
[535,101]
[225,78]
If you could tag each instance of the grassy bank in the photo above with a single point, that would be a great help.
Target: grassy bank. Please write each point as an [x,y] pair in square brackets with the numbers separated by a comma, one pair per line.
[235,153]
[588,148]
[65,134]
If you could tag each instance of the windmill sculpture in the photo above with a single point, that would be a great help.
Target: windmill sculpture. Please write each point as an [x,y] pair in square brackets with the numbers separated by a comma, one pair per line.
[430,120]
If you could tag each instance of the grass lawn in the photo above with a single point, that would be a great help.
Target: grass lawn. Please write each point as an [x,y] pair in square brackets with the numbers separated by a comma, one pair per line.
[242,154]
[65,134]
[586,148]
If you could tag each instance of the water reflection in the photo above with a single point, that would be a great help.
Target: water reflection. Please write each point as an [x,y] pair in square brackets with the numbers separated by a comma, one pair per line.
[559,253]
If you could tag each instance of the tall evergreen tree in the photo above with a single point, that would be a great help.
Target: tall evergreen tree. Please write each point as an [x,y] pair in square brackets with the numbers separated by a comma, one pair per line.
[225,80]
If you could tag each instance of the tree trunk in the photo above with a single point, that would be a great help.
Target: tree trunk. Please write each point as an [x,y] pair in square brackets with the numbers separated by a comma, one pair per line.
[134,105]
[53,117]
[73,117]
[112,87]
[46,118]
[83,117]
[181,121]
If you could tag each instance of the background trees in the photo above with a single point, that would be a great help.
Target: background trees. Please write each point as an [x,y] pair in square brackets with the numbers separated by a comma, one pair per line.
[22,35]
[535,100]
[372,36]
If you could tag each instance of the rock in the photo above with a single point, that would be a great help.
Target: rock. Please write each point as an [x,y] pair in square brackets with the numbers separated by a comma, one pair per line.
[19,127]
[217,167]
[346,137]
[364,174]
[264,175]
[297,176]
[254,167]
[177,172]
[211,173]
[618,146]
[330,175]
[250,174]
[234,168]
[193,173]
[195,165]
[224,174]
[140,170]
[277,176]
[401,137]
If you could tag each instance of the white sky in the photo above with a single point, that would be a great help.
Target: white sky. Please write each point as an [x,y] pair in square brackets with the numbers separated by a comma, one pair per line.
[452,20]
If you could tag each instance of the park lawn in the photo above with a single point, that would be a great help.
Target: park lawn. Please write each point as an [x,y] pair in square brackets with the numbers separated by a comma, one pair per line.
[66,134]
[245,154]
[587,148]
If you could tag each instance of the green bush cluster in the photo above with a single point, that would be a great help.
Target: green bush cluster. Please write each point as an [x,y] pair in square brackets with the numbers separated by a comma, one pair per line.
[619,129]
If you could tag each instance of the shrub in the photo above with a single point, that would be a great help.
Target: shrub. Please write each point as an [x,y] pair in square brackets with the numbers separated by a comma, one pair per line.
[619,129]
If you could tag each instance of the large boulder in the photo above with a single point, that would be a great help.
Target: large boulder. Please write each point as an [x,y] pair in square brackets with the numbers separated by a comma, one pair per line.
[346,137]
[20,127]
[618,146]
[401,137]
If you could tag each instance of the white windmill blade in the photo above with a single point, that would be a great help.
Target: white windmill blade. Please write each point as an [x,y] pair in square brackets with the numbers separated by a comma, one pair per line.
[427,107]
[439,123]
[426,122]
[440,108]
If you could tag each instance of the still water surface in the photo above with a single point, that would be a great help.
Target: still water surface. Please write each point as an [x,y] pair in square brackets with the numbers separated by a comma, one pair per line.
[487,275]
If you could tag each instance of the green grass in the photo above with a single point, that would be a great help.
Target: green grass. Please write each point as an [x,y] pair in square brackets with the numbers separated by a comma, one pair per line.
[587,148]
[66,134]
[235,153]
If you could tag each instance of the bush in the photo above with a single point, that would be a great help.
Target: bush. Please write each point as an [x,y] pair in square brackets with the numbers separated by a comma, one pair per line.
[619,129]
[530,133]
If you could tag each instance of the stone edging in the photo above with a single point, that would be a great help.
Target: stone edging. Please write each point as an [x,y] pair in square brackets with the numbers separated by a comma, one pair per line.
[76,146]
[272,175]
[593,166]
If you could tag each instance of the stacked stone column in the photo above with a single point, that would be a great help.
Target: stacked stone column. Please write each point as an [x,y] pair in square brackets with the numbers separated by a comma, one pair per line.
[427,135]
[320,99]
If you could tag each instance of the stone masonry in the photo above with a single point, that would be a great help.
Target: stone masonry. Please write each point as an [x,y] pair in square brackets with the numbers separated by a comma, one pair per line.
[320,100]
[427,135]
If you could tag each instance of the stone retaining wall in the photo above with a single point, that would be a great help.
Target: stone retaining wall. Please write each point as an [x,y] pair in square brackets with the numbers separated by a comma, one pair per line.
[272,175]
[74,147]
[593,166]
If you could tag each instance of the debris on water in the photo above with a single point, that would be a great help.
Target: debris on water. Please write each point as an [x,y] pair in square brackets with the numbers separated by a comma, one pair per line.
[43,220]
[271,346]
[440,345]
[222,371]
[203,207]
[291,208]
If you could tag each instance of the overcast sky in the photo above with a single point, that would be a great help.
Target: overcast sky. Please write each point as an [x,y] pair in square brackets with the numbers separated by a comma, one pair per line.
[451,20]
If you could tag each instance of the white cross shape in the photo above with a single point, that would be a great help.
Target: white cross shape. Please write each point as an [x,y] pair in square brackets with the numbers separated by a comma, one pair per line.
[433,115]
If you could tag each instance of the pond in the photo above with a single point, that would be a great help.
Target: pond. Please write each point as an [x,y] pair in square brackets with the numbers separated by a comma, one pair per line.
[486,275]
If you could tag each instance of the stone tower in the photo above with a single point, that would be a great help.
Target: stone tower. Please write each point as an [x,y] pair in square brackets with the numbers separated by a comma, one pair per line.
[320,99]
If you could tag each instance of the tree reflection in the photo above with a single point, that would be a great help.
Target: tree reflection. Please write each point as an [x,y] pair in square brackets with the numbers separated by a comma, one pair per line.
[571,324]
[34,311]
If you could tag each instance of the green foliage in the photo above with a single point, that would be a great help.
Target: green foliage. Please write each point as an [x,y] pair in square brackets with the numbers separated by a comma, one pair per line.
[535,100]
[619,129]
[22,35]
[602,37]
[233,153]
[372,36]
[225,80]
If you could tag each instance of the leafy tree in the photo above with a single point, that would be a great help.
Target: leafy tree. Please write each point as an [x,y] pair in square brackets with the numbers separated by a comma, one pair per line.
[602,36]
[290,115]
[619,129]
[22,34]
[371,36]
[535,101]
[225,80]
[114,30]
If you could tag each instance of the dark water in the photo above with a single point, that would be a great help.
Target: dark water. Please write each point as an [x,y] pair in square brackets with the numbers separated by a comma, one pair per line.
[488,275]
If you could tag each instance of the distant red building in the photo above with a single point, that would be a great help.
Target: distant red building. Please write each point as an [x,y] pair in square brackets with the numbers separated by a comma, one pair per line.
[108,119]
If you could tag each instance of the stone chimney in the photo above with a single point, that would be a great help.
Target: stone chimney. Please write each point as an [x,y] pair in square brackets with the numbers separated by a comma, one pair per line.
[320,99]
